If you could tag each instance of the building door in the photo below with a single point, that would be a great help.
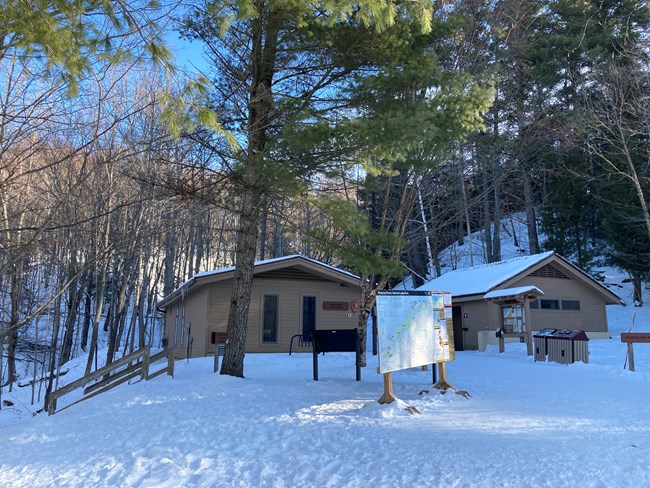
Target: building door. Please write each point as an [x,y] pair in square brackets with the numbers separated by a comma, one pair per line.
[457,318]
[308,316]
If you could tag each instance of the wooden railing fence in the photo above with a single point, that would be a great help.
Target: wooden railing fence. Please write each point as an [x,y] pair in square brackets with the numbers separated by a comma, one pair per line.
[142,360]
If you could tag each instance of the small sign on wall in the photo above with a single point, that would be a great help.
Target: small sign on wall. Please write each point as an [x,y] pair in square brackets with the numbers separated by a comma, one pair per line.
[339,306]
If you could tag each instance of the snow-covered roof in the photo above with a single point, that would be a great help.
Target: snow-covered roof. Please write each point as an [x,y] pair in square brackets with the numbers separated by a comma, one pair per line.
[271,261]
[511,292]
[259,266]
[482,279]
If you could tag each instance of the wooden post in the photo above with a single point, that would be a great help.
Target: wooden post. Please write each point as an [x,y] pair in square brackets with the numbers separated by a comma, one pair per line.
[51,408]
[170,362]
[145,364]
[502,341]
[216,358]
[442,383]
[529,327]
[388,396]
[630,355]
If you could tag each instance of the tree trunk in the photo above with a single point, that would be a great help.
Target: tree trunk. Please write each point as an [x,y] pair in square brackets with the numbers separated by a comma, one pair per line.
[233,359]
[12,336]
[264,37]
[70,322]
[88,285]
[531,218]
[487,213]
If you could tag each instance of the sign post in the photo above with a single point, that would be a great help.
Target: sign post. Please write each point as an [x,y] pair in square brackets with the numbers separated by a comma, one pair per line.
[634,337]
[388,396]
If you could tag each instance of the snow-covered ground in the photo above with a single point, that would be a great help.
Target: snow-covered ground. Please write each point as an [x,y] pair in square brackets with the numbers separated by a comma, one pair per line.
[526,424]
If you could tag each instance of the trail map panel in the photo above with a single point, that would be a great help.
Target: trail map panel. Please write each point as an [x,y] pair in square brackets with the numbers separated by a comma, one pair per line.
[412,329]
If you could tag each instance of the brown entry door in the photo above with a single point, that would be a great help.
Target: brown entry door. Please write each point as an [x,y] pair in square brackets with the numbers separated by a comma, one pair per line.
[457,317]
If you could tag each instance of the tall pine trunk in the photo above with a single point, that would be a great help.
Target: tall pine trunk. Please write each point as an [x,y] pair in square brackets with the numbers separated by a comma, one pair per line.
[531,218]
[264,35]
[233,359]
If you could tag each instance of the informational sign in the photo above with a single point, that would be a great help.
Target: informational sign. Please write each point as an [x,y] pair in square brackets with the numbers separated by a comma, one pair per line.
[414,328]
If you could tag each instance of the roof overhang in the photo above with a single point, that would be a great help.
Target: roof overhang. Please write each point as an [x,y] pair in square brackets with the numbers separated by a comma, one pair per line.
[572,270]
[516,294]
[311,266]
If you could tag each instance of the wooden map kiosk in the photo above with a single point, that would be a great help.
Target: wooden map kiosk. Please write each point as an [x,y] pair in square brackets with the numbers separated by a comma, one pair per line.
[414,328]
[515,314]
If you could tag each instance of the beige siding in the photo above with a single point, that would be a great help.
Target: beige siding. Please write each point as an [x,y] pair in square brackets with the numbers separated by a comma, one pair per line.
[481,315]
[290,294]
[591,317]
[218,308]
[195,304]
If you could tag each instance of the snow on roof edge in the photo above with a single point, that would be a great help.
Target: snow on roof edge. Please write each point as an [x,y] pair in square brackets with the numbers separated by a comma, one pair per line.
[502,272]
[263,262]
[519,290]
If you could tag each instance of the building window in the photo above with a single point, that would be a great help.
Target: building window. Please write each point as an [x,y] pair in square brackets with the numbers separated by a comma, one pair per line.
[549,304]
[183,324]
[565,305]
[308,317]
[270,318]
[176,332]
[571,305]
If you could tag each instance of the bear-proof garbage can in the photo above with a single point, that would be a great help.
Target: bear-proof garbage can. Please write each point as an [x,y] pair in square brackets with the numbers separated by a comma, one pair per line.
[562,346]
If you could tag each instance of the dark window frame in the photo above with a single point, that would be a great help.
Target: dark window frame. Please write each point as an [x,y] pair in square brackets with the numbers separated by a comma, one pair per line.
[547,302]
[276,332]
[562,305]
[575,307]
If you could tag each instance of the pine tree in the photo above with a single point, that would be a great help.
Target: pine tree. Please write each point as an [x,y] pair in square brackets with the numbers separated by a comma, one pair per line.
[279,68]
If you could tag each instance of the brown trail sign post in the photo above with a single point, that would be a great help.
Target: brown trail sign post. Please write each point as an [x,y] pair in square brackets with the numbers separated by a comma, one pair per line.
[634,337]
[414,329]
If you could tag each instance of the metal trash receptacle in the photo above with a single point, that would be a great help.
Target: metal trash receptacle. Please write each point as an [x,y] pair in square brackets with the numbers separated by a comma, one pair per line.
[562,346]
[539,344]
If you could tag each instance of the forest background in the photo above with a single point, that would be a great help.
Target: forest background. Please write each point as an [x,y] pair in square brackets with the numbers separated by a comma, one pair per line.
[368,135]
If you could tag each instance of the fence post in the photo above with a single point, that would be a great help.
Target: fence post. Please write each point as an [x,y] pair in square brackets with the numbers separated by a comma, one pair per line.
[51,407]
[170,362]
[145,364]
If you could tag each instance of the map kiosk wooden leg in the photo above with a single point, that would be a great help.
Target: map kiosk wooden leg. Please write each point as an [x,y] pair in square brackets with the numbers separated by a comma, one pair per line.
[388,396]
[442,384]
[502,342]
[433,374]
